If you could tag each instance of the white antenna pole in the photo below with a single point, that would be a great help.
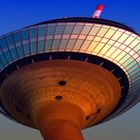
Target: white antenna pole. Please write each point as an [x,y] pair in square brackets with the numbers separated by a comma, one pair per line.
[98,11]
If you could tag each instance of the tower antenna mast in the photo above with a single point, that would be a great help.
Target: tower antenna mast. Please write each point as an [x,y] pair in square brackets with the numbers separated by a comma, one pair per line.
[98,11]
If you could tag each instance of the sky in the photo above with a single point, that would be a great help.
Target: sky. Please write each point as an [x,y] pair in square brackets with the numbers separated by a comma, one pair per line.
[16,14]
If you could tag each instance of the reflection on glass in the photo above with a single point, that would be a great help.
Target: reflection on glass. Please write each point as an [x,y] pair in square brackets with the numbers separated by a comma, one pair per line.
[126,57]
[135,66]
[137,48]
[25,35]
[8,56]
[14,54]
[63,44]
[105,49]
[77,29]
[78,44]
[17,37]
[51,30]
[129,40]
[2,43]
[130,64]
[41,31]
[1,65]
[110,33]
[126,63]
[134,43]
[86,29]
[94,30]
[48,45]
[85,45]
[55,44]
[70,44]
[3,59]
[40,46]
[93,45]
[33,47]
[33,33]
[68,29]
[26,49]
[116,35]
[123,38]
[120,56]
[102,32]
[9,40]
[20,51]
[59,29]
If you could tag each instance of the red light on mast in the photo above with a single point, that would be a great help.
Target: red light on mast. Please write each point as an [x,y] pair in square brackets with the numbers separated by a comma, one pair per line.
[98,11]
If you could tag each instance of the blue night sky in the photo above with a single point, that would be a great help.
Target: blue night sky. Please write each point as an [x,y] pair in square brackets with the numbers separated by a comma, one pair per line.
[16,14]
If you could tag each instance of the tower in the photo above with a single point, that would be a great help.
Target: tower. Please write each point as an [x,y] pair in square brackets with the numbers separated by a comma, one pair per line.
[64,75]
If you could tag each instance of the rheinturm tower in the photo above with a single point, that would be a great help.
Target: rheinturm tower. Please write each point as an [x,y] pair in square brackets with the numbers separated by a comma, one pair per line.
[64,75]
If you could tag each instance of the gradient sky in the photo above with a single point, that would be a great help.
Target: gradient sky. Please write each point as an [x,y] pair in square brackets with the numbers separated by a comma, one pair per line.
[16,14]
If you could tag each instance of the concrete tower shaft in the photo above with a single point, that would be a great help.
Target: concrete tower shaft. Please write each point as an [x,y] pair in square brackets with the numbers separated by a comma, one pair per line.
[60,97]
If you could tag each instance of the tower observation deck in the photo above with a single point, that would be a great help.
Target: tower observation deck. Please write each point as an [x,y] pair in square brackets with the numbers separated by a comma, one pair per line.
[64,75]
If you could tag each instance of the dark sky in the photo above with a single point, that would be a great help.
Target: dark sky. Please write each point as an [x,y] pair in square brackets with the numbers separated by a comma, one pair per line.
[15,14]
